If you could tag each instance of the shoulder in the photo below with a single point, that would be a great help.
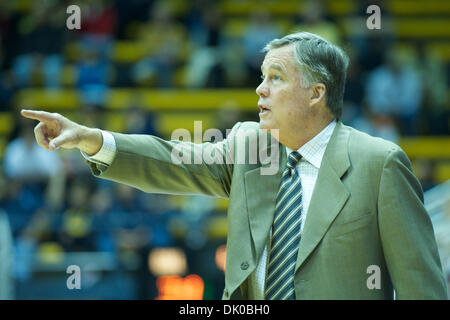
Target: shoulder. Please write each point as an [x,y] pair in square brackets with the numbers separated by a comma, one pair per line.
[366,147]
[374,158]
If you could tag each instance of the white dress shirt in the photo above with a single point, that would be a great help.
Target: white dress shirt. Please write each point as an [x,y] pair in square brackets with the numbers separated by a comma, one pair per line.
[308,168]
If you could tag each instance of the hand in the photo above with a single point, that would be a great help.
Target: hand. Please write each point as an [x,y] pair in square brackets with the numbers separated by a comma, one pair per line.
[55,131]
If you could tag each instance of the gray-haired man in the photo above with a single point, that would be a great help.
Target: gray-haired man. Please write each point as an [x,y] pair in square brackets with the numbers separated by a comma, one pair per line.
[343,217]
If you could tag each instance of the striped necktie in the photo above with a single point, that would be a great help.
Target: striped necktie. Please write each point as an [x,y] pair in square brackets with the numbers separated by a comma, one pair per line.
[285,234]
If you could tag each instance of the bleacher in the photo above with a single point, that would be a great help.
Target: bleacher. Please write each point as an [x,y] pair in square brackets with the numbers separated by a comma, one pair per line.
[417,21]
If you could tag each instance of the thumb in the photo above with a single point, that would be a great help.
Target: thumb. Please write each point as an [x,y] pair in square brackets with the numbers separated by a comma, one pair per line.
[59,141]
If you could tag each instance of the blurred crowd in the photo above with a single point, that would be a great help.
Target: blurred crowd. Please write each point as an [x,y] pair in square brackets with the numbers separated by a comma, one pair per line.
[391,91]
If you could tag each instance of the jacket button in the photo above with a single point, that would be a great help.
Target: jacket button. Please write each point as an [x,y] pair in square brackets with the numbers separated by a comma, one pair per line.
[225,292]
[244,265]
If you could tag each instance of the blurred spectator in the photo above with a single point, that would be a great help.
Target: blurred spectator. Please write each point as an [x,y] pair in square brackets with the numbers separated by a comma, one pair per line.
[99,18]
[7,89]
[204,68]
[372,52]
[125,199]
[92,70]
[370,44]
[356,111]
[157,212]
[139,219]
[190,224]
[423,169]
[312,18]
[76,222]
[9,38]
[101,204]
[355,82]
[32,174]
[25,159]
[129,14]
[259,31]
[25,70]
[94,114]
[204,21]
[378,125]
[140,121]
[93,76]
[41,27]
[384,127]
[39,61]
[395,89]
[167,47]
[228,114]
[435,110]
[98,26]
[236,72]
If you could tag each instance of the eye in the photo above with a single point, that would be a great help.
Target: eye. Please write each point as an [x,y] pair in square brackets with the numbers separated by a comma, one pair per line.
[275,77]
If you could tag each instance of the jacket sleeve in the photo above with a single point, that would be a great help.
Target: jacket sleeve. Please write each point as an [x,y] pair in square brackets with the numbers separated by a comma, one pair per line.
[406,232]
[154,165]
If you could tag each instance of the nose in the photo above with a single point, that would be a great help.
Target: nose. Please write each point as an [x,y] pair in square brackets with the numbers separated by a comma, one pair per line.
[262,89]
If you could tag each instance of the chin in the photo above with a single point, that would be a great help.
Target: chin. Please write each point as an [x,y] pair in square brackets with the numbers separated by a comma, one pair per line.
[262,123]
[271,128]
[265,125]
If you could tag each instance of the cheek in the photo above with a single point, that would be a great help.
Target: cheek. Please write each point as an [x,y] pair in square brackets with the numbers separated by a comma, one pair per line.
[296,112]
[293,116]
[293,103]
[290,104]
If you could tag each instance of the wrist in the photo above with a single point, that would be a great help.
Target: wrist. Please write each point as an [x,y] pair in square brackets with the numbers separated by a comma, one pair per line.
[91,141]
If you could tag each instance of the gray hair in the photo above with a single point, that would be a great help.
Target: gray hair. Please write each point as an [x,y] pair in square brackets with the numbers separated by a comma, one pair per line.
[320,62]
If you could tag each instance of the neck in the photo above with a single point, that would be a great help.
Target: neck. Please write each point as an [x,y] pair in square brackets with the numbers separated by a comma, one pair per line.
[294,142]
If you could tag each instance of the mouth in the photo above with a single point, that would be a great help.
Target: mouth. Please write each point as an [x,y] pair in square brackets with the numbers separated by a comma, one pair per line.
[263,109]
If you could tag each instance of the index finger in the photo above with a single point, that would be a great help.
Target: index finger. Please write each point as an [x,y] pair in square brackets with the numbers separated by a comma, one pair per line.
[38,115]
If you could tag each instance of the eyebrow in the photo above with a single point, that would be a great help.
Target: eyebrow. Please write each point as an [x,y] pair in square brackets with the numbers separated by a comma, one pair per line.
[274,66]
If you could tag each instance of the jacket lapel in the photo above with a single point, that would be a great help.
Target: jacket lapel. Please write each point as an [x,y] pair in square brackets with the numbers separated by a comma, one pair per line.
[329,195]
[261,193]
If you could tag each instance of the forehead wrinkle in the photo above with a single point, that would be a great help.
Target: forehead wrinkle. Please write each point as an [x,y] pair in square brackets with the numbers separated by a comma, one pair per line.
[275,66]
[283,57]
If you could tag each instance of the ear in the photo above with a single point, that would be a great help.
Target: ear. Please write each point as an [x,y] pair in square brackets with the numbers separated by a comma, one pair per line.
[317,93]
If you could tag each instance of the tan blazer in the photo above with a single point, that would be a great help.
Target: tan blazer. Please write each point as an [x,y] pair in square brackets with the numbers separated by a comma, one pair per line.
[366,210]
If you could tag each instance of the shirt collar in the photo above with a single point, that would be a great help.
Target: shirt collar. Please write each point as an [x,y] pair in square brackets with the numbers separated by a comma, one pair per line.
[314,149]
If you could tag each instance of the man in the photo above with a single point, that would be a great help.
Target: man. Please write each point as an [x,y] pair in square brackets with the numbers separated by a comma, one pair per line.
[343,216]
